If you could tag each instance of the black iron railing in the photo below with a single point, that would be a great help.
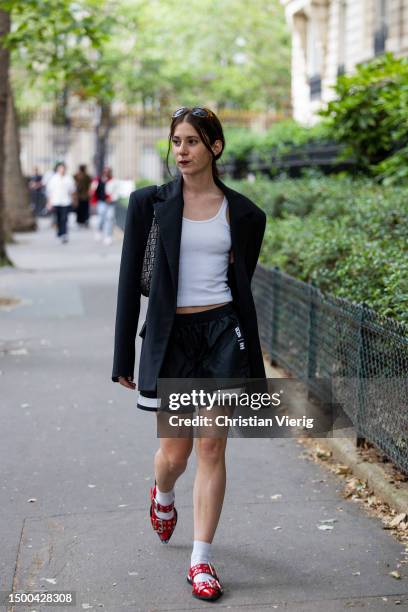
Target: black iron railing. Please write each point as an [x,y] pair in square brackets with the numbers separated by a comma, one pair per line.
[320,155]
[364,355]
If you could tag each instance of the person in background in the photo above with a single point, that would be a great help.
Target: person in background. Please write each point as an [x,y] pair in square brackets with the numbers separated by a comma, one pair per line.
[47,176]
[105,191]
[98,196]
[60,191]
[36,187]
[112,189]
[83,183]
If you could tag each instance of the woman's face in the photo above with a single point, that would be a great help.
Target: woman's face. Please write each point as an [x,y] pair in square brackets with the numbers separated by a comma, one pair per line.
[188,147]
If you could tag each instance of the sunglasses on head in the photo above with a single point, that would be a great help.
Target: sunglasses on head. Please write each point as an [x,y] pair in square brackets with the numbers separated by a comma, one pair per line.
[198,111]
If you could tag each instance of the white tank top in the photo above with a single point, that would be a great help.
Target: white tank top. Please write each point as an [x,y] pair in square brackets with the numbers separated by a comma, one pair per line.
[204,260]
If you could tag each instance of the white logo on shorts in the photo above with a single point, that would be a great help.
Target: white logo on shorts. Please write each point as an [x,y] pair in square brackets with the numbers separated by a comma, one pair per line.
[241,340]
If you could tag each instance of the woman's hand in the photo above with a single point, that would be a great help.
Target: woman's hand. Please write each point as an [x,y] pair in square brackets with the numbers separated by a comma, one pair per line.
[127,382]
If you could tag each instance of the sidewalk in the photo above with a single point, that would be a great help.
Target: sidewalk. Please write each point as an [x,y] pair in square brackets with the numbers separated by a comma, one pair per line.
[76,464]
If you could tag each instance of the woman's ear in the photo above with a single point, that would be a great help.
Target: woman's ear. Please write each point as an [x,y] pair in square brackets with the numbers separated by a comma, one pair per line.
[217,147]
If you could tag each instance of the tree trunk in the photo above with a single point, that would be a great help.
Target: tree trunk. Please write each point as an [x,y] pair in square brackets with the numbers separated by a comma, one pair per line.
[20,217]
[102,136]
[4,67]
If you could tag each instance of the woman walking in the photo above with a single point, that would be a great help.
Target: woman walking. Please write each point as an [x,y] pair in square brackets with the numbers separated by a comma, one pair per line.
[60,193]
[105,208]
[201,320]
[83,184]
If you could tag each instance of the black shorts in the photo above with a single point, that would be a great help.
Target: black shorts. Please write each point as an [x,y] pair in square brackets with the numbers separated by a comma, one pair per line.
[207,344]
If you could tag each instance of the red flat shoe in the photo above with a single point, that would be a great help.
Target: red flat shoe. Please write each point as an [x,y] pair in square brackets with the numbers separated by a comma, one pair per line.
[210,589]
[163,527]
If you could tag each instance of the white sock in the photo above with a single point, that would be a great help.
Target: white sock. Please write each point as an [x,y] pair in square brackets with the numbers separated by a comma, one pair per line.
[201,554]
[164,498]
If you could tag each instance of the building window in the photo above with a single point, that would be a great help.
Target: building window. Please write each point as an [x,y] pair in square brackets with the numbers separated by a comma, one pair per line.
[315,84]
[314,58]
[381,26]
[341,60]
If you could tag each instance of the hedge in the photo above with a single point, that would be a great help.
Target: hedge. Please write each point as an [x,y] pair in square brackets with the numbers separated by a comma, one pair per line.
[347,236]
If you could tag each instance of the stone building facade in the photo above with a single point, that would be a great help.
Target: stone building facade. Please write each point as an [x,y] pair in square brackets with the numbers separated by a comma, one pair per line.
[330,37]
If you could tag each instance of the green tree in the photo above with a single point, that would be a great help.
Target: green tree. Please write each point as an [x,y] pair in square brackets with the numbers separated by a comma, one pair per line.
[55,41]
[230,53]
[153,53]
[59,44]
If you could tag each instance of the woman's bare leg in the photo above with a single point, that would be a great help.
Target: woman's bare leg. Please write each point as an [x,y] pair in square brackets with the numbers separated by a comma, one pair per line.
[209,486]
[171,461]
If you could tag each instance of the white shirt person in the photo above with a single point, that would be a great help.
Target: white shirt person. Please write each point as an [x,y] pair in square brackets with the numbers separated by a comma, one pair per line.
[60,190]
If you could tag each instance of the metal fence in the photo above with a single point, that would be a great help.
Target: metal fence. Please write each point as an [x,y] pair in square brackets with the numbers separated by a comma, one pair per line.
[320,155]
[131,149]
[362,354]
[132,143]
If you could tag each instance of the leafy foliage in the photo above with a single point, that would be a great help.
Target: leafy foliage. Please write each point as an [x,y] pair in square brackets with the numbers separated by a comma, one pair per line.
[279,139]
[57,43]
[393,169]
[155,53]
[348,237]
[370,115]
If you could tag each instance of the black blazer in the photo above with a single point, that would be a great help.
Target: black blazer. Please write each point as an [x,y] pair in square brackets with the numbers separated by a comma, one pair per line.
[247,223]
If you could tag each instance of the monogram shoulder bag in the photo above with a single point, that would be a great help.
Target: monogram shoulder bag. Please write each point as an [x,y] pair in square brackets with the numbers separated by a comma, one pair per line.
[149,257]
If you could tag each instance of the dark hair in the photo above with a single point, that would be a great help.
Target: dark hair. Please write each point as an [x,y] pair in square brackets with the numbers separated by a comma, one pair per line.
[209,128]
[82,168]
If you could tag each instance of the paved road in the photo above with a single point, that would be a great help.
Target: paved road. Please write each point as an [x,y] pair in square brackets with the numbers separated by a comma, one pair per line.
[76,465]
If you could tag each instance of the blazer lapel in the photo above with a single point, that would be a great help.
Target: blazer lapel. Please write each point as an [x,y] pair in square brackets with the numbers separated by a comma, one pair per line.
[168,209]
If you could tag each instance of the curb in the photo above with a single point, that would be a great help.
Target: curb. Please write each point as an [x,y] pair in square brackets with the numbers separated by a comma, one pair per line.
[344,451]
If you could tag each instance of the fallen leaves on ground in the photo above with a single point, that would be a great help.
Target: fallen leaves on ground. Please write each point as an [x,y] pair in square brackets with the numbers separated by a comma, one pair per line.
[8,301]
[400,521]
[343,469]
[358,491]
[395,574]
[322,453]
[356,488]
